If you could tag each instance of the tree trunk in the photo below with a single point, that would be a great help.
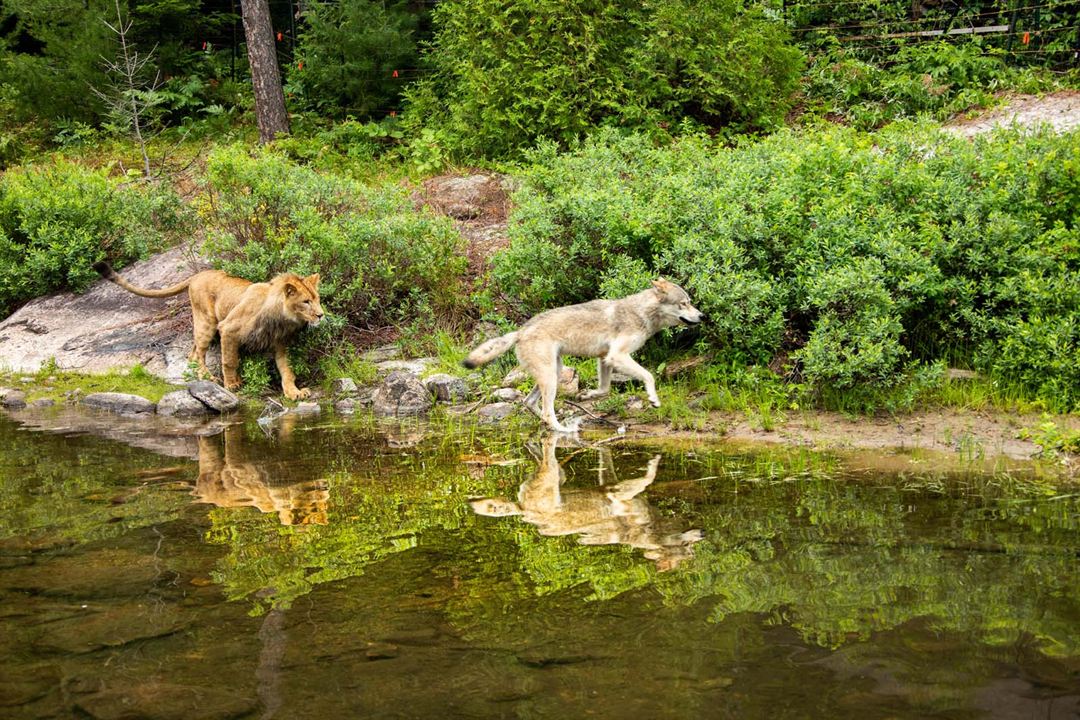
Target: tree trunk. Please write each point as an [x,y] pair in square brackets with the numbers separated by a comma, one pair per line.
[265,79]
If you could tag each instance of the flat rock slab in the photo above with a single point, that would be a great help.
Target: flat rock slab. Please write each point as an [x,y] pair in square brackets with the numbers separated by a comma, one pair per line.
[415,367]
[213,396]
[107,327]
[120,403]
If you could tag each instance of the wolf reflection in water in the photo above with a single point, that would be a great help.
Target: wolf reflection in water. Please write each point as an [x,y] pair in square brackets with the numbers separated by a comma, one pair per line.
[604,515]
[231,478]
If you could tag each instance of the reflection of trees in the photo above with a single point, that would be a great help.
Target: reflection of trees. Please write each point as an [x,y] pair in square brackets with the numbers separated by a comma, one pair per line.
[611,514]
[836,558]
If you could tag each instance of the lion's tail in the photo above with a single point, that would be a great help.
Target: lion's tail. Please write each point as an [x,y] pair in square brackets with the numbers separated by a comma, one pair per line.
[106,271]
[490,350]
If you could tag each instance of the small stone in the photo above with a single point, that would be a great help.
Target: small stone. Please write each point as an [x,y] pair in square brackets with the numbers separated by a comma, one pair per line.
[347,406]
[515,377]
[121,403]
[42,403]
[446,388]
[343,387]
[507,395]
[401,393]
[213,396]
[306,408]
[12,399]
[73,396]
[496,412]
[181,403]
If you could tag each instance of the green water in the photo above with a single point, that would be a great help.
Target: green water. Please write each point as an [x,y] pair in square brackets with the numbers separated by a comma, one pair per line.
[345,569]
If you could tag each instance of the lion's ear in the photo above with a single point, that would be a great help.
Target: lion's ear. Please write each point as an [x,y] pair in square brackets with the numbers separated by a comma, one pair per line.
[312,280]
[290,290]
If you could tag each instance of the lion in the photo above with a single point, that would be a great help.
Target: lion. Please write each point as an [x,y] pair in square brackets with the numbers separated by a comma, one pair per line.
[258,316]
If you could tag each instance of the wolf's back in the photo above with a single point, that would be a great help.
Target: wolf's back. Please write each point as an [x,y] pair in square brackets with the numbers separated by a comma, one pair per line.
[490,350]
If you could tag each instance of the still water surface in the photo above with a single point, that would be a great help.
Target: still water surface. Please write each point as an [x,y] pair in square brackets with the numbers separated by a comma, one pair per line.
[343,569]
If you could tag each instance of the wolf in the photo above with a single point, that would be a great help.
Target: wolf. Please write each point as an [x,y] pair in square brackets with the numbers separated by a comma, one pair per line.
[610,330]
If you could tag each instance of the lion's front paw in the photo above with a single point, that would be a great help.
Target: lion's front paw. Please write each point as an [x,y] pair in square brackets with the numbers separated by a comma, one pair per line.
[297,393]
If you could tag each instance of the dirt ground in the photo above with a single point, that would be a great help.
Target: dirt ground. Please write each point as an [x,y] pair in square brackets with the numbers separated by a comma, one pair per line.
[940,439]
[1060,110]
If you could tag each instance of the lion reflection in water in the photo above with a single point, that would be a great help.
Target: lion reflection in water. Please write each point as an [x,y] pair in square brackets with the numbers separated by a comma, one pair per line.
[230,479]
[605,515]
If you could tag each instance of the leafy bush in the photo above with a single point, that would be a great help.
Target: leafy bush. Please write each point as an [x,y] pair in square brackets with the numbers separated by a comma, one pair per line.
[505,75]
[57,220]
[382,262]
[843,255]
[935,78]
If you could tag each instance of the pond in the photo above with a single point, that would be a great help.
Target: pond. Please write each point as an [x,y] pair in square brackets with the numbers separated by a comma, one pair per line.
[342,568]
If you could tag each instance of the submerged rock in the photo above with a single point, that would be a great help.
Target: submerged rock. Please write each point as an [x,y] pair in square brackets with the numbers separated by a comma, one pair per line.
[213,396]
[306,408]
[496,411]
[158,700]
[121,403]
[401,393]
[42,403]
[181,403]
[12,399]
[446,388]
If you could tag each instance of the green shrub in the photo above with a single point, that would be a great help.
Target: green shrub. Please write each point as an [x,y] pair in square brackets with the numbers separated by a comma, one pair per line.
[843,255]
[382,261]
[56,220]
[505,75]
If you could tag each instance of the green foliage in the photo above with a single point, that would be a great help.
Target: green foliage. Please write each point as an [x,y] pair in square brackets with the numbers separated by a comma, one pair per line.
[57,219]
[1052,438]
[849,255]
[381,261]
[347,54]
[508,74]
[938,78]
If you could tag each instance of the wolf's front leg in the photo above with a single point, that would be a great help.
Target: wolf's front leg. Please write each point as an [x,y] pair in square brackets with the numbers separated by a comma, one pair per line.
[626,364]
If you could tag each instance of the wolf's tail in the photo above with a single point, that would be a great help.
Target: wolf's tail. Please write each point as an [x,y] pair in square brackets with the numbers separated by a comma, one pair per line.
[490,350]
[106,271]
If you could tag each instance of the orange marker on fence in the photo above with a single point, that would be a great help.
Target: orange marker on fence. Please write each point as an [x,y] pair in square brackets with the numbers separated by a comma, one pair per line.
[1027,38]
[279,37]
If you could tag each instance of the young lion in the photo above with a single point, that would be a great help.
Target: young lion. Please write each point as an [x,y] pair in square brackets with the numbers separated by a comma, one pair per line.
[259,316]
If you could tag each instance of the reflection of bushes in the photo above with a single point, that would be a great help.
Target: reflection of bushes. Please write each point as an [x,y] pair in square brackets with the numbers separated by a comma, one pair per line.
[851,254]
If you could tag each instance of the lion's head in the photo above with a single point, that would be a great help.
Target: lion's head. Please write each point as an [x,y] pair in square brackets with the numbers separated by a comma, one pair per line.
[302,298]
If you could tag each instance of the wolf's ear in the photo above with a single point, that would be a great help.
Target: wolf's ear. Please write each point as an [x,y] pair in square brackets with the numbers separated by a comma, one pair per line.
[661,285]
[290,289]
[312,280]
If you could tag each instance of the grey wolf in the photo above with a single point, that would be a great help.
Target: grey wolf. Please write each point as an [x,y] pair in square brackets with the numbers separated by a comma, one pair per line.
[259,316]
[609,330]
